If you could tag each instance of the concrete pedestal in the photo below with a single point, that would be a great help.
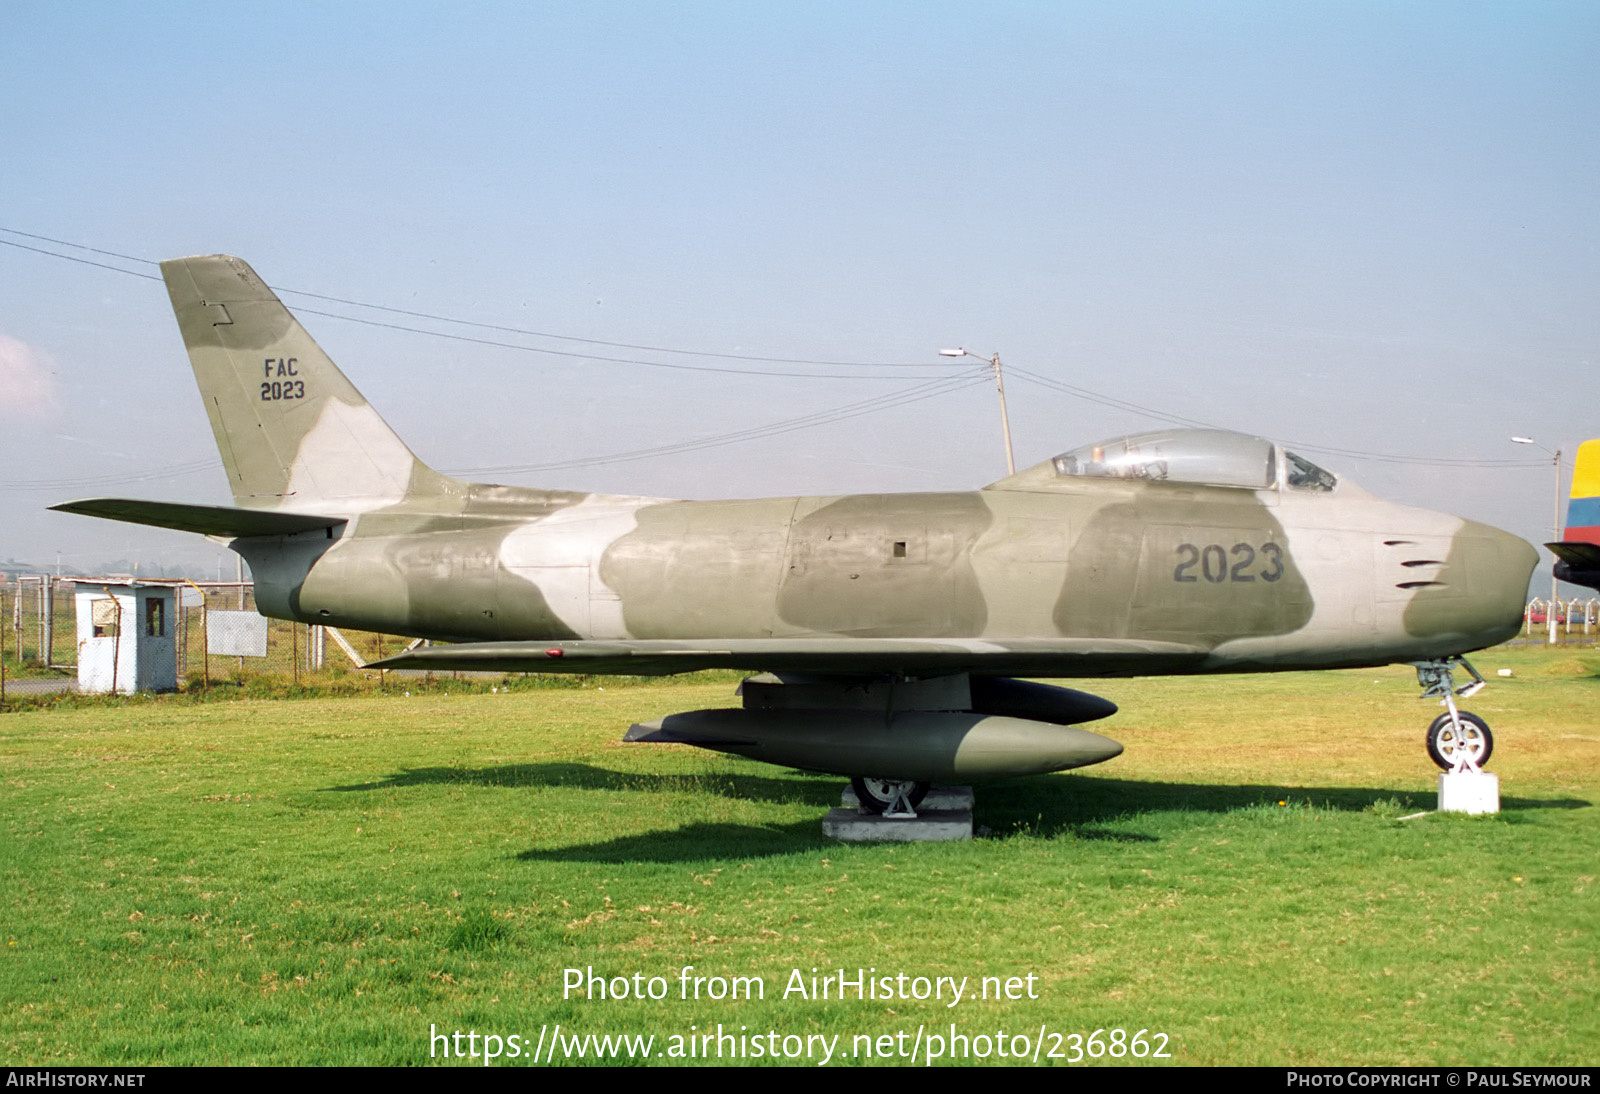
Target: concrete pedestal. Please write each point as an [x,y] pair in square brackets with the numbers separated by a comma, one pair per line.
[1469,792]
[945,814]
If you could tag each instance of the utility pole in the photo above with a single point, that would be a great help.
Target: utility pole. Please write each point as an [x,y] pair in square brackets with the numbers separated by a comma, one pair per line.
[993,362]
[1555,532]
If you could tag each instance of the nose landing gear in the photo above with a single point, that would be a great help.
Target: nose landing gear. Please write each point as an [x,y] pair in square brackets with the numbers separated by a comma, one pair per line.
[1457,740]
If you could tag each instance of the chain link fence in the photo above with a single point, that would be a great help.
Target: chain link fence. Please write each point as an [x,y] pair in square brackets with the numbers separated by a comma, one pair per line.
[225,638]
[38,624]
[218,634]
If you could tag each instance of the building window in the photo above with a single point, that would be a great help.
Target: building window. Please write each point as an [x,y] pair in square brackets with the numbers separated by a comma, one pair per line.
[105,613]
[155,617]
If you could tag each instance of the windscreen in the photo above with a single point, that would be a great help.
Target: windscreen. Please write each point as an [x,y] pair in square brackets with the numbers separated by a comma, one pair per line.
[1302,474]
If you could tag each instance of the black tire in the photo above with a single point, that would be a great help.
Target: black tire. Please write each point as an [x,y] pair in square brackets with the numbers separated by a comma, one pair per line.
[873,796]
[1442,742]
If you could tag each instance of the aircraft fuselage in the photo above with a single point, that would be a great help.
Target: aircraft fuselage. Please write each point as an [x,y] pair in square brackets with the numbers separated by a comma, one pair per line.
[1260,579]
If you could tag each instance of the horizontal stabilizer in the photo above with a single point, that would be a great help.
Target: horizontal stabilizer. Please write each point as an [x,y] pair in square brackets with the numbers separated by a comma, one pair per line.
[208,520]
[1580,556]
[838,656]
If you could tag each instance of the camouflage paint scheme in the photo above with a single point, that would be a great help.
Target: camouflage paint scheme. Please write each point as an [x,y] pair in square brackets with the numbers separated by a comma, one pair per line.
[1039,574]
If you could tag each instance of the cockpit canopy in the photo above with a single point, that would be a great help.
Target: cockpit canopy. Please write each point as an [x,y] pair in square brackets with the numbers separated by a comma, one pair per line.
[1208,457]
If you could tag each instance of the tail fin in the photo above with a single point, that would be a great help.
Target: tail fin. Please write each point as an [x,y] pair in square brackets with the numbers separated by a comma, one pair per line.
[293,432]
[1578,553]
[1583,511]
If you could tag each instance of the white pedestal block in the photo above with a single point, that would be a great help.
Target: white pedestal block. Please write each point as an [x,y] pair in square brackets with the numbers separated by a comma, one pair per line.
[945,814]
[1469,792]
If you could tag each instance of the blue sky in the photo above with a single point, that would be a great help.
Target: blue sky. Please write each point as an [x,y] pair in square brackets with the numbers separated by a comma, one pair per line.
[1365,227]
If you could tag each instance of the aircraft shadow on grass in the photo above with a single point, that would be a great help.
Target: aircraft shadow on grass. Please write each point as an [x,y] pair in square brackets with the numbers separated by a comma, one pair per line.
[801,788]
[1095,801]
[1084,807]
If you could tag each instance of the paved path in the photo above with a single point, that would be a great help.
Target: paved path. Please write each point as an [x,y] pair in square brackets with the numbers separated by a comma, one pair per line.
[55,685]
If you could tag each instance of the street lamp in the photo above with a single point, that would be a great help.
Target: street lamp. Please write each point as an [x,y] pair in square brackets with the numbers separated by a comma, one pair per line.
[1000,386]
[1555,537]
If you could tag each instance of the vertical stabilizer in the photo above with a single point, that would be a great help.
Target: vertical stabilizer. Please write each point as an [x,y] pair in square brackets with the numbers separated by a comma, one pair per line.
[1578,553]
[1583,510]
[293,432]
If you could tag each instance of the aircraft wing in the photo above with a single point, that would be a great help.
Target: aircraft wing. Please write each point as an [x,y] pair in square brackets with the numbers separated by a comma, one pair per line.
[208,520]
[822,656]
[1577,562]
[1578,555]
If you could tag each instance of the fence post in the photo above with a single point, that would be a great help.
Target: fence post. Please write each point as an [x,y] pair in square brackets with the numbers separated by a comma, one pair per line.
[116,643]
[205,652]
[47,621]
[16,619]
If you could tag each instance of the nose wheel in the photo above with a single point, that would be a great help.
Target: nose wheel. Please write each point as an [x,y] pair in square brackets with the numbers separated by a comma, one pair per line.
[1457,740]
[1468,734]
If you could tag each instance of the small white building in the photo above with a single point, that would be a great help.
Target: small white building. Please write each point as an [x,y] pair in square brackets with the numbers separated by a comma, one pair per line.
[127,637]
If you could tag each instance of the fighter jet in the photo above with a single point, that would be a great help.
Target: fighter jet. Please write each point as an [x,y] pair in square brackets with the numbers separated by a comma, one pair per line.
[886,633]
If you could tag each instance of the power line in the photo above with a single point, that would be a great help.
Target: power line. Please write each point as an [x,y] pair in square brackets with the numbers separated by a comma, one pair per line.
[597,357]
[1105,400]
[83,261]
[1178,419]
[505,329]
[904,397]
[93,481]
[78,246]
[771,429]
[601,341]
[1047,382]
[1430,461]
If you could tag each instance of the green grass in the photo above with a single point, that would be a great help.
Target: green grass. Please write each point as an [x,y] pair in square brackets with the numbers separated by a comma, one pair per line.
[320,880]
[30,669]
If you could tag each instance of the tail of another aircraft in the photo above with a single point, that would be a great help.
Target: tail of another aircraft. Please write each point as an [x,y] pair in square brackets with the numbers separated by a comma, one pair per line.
[293,432]
[1583,510]
[1578,553]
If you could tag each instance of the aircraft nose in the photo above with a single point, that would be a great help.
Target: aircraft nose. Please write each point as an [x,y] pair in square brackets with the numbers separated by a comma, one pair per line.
[1507,577]
[1498,567]
[1503,565]
[1476,596]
